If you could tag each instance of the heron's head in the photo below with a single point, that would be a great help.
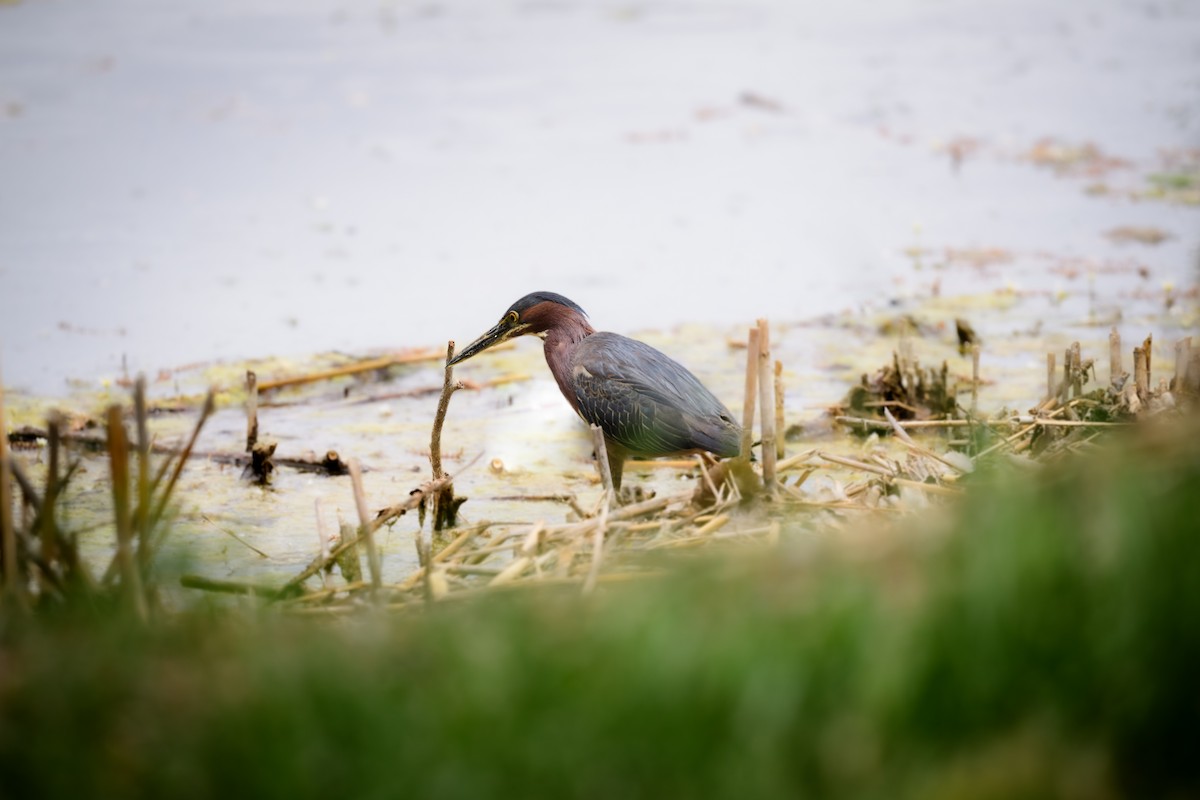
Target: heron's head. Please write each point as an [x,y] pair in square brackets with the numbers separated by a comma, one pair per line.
[534,313]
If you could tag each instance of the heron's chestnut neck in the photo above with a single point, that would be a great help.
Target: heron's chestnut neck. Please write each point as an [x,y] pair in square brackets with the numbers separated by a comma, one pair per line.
[567,329]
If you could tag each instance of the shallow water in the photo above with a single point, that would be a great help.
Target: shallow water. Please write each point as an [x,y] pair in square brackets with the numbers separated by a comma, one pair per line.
[194,181]
[188,185]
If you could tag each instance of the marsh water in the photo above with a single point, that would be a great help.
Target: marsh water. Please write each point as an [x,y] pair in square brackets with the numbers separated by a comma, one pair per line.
[190,189]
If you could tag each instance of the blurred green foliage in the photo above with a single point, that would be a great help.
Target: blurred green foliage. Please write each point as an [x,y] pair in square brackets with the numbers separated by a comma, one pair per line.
[1040,640]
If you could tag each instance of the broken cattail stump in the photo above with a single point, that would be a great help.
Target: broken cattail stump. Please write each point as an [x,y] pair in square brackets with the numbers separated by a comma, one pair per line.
[1076,370]
[1064,389]
[1116,370]
[974,376]
[780,444]
[1051,374]
[1141,374]
[1192,380]
[262,463]
[251,410]
[766,396]
[1183,355]
[1147,346]
[751,392]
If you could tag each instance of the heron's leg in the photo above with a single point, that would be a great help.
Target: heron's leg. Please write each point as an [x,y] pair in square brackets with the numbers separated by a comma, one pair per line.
[616,467]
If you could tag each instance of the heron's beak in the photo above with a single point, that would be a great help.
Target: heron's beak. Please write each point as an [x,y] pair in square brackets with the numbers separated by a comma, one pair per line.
[501,332]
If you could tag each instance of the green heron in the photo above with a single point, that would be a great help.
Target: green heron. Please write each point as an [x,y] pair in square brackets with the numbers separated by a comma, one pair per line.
[646,403]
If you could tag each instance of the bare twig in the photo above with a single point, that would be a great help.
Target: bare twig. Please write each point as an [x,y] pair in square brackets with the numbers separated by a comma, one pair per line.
[916,448]
[445,508]
[859,465]
[235,536]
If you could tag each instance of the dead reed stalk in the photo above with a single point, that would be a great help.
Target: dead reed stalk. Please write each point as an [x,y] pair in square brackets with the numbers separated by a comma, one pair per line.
[366,530]
[751,392]
[8,534]
[1183,357]
[118,459]
[974,376]
[766,396]
[780,442]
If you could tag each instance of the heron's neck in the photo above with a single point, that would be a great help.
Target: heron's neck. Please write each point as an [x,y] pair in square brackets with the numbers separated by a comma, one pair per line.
[561,341]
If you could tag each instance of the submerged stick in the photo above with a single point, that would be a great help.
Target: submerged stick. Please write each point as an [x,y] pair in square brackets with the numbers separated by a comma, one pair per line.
[370,365]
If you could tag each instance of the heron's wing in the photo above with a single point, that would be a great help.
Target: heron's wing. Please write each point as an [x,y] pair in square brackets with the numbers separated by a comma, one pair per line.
[646,401]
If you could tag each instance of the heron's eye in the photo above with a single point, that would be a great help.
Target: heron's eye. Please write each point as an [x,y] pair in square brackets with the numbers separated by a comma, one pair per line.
[512,318]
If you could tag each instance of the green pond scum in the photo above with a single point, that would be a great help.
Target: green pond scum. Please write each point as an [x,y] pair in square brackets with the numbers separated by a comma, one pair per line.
[1039,638]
